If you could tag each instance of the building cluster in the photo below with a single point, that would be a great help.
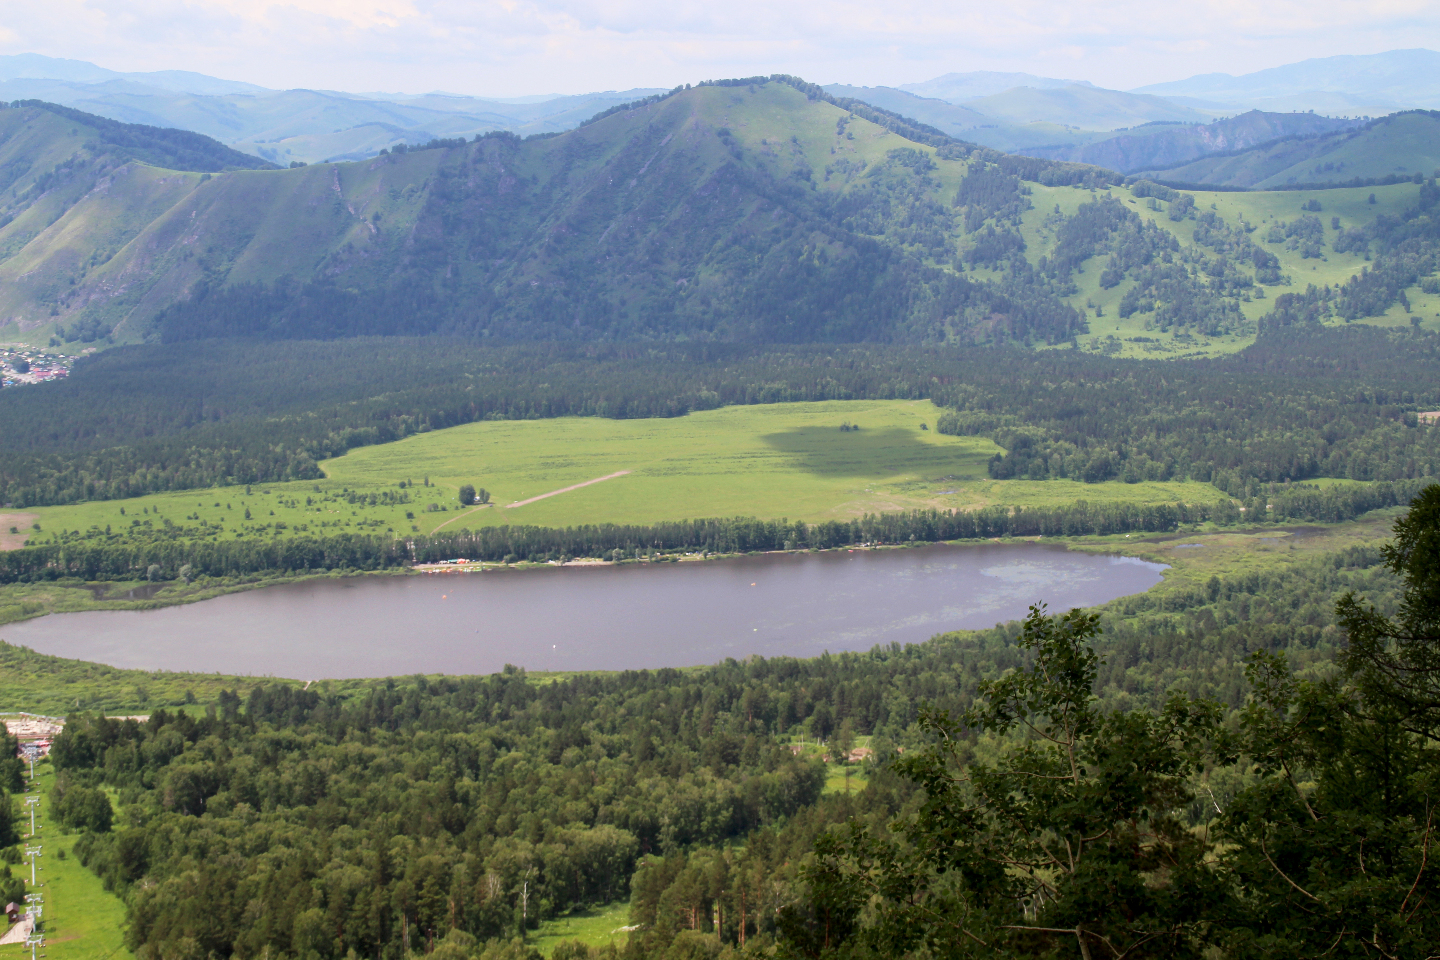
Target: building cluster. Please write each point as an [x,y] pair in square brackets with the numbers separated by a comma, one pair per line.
[35,733]
[22,365]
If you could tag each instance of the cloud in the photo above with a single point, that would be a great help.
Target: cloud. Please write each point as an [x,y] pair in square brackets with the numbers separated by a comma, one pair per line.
[512,47]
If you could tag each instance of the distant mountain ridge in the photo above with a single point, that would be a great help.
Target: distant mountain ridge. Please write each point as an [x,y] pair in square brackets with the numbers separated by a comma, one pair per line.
[1405,78]
[1400,146]
[33,66]
[1012,111]
[1162,146]
[284,126]
[958,87]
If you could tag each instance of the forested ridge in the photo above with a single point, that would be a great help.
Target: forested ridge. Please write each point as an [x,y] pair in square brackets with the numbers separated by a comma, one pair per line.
[449,813]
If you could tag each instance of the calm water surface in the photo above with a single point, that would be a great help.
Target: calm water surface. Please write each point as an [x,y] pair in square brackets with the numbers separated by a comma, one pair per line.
[596,618]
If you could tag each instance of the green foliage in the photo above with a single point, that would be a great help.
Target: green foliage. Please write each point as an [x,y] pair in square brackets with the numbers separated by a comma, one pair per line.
[1396,661]
[1289,397]
[119,428]
[1051,843]
[363,811]
[455,804]
[162,558]
[9,817]
[79,807]
[1049,820]
[12,888]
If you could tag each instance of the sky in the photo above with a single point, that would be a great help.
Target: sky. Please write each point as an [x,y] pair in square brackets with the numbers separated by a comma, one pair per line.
[517,47]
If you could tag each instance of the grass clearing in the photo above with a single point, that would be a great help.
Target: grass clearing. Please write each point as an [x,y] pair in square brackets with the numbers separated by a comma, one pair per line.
[594,927]
[846,778]
[789,460]
[82,921]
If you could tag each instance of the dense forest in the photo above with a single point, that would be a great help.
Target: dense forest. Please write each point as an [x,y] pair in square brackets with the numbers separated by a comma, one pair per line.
[453,814]
[1311,402]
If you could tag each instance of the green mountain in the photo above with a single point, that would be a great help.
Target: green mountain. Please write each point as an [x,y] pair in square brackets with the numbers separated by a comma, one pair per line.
[760,210]
[755,211]
[1164,143]
[1400,145]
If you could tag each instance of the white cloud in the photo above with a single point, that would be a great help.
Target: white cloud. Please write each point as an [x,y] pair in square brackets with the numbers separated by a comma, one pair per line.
[510,47]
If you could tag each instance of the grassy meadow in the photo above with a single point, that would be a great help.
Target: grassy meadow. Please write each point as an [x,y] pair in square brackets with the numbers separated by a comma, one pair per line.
[594,927]
[780,460]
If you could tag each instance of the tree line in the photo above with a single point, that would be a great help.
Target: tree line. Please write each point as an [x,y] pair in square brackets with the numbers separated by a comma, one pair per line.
[166,557]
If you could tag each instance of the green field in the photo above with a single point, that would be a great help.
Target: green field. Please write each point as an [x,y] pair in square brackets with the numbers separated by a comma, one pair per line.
[81,920]
[595,927]
[787,460]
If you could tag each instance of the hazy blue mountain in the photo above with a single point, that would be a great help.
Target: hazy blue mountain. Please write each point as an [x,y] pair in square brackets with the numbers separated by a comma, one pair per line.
[958,87]
[1408,78]
[33,66]
[283,126]
[1084,106]
[958,120]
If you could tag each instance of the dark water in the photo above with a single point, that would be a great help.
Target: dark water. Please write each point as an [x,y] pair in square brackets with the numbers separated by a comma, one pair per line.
[596,618]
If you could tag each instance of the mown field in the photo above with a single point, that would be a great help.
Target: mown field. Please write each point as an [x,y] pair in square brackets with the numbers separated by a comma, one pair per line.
[788,460]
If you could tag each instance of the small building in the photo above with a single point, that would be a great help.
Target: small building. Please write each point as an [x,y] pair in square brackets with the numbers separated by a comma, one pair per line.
[12,912]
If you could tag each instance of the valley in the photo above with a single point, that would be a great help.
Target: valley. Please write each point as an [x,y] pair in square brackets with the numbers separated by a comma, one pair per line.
[622,525]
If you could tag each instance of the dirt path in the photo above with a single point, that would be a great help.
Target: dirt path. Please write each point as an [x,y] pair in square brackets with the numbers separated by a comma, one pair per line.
[461,516]
[577,486]
[21,522]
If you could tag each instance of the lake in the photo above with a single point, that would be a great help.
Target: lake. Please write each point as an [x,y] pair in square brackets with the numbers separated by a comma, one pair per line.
[597,617]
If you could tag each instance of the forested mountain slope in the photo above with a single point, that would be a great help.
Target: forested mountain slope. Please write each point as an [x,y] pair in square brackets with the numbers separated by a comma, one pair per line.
[738,212]
[762,210]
